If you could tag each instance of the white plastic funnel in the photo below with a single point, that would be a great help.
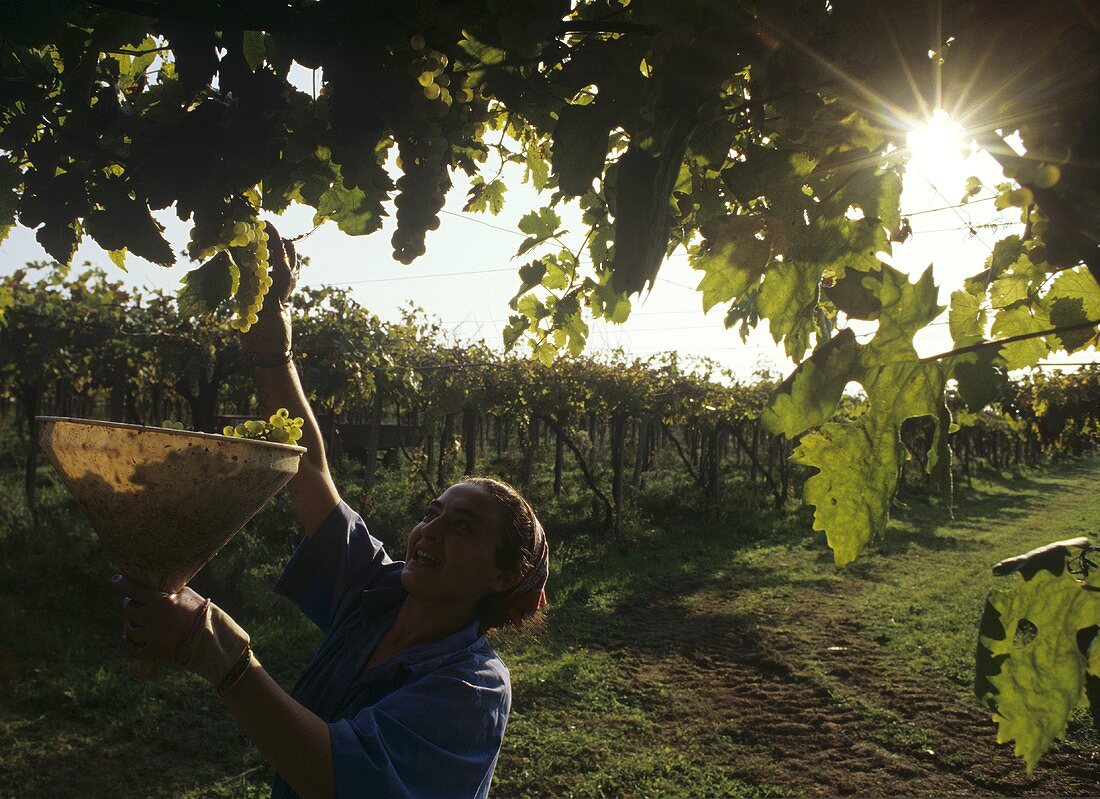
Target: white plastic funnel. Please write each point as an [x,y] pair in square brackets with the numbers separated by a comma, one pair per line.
[164,502]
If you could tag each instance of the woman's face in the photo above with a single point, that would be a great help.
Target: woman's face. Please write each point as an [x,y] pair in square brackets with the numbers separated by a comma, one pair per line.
[452,553]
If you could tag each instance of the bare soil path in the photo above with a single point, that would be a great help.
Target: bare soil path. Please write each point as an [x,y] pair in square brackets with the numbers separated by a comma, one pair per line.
[809,694]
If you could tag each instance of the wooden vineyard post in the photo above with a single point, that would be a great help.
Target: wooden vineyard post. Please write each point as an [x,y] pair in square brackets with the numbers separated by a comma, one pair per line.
[559,457]
[373,434]
[469,438]
[618,433]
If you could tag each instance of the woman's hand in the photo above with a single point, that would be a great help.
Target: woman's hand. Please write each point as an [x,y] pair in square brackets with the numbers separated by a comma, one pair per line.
[157,626]
[182,627]
[269,338]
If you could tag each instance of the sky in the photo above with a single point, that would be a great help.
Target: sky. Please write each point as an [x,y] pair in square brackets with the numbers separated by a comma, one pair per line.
[467,276]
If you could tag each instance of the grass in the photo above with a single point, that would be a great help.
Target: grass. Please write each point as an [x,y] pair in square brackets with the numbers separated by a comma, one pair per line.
[607,701]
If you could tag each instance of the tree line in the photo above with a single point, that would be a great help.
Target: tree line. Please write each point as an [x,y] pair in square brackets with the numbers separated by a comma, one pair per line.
[406,395]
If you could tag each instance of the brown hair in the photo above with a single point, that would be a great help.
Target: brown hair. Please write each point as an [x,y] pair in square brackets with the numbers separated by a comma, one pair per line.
[517,548]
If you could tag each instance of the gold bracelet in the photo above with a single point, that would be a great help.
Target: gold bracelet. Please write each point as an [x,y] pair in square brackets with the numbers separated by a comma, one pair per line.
[235,674]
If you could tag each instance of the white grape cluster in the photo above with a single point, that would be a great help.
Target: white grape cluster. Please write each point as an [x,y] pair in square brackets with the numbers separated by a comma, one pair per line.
[439,113]
[428,69]
[248,246]
[280,428]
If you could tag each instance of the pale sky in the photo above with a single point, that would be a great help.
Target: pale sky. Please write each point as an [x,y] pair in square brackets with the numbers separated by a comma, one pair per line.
[474,304]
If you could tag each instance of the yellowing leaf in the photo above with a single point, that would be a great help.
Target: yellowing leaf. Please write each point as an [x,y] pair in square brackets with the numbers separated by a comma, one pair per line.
[485,196]
[118,258]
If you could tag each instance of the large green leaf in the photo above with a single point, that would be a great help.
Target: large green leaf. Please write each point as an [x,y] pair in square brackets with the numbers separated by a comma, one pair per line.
[1073,299]
[859,462]
[1032,669]
[787,298]
[809,397]
[121,222]
[966,319]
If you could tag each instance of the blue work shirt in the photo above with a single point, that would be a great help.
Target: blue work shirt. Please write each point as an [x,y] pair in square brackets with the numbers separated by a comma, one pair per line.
[426,723]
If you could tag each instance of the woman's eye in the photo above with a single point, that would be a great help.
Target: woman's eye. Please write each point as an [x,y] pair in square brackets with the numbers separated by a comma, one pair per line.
[429,514]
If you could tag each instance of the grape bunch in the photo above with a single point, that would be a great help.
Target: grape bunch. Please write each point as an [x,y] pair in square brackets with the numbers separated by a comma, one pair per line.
[280,428]
[422,191]
[441,121]
[248,248]
[243,236]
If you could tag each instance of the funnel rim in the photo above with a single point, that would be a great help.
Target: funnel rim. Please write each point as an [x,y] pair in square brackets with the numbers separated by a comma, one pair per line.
[171,431]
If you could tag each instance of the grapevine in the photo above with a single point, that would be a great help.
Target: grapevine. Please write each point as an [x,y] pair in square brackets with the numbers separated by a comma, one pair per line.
[745,133]
[280,427]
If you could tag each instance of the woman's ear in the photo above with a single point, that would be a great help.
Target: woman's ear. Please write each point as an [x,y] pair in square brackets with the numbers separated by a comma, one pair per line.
[505,580]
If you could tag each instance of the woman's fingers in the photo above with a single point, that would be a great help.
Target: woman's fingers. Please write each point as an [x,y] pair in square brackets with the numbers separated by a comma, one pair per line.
[156,625]
[135,590]
[284,266]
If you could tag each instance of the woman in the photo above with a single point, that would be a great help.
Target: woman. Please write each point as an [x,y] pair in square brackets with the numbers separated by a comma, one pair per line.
[404,697]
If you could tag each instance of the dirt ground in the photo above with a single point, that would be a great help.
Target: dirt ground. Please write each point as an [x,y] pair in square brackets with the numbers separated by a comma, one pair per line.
[790,728]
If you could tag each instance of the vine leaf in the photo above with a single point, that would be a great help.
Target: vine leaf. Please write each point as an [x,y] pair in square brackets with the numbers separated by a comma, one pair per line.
[966,319]
[538,168]
[580,147]
[10,180]
[734,254]
[787,299]
[254,49]
[539,226]
[810,396]
[1074,298]
[859,462]
[206,287]
[354,211]
[1032,670]
[123,222]
[1017,321]
[485,196]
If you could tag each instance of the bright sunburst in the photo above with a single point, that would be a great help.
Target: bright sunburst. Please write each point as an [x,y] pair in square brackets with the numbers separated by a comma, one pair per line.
[939,150]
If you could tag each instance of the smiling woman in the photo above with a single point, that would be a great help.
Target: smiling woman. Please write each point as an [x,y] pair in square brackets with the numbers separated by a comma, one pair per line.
[404,697]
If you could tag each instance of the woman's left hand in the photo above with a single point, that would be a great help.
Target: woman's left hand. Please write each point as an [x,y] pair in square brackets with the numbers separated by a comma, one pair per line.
[156,625]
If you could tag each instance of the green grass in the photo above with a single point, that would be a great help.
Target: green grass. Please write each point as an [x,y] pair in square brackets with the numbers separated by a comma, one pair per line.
[596,694]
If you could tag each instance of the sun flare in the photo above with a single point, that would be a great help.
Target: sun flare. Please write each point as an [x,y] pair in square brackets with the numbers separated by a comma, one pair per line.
[939,150]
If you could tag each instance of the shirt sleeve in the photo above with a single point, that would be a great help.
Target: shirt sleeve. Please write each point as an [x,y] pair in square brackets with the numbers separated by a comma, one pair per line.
[436,737]
[339,560]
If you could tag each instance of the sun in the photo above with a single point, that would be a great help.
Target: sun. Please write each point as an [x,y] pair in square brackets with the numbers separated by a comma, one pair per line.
[939,150]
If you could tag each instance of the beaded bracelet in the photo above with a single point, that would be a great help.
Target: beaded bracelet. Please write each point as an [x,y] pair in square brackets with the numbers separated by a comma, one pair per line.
[236,673]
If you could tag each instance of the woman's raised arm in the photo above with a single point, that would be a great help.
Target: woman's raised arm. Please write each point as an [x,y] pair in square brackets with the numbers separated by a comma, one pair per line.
[278,385]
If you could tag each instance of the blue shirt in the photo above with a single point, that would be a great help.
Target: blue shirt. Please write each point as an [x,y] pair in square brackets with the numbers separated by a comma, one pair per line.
[427,722]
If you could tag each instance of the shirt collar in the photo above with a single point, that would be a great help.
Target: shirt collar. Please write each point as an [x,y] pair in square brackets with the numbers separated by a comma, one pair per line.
[377,602]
